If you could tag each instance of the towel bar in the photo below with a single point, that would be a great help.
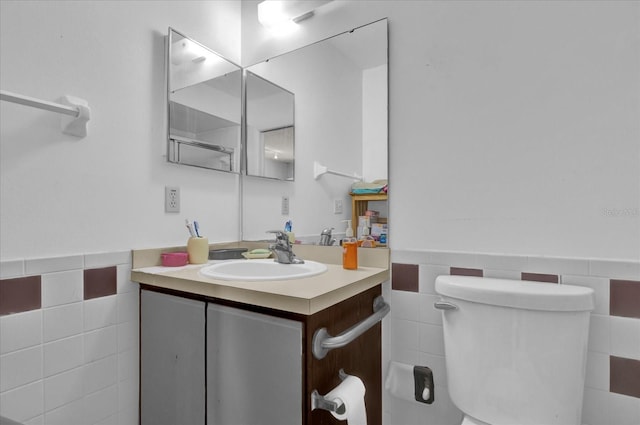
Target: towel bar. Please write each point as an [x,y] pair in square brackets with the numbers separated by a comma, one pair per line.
[323,342]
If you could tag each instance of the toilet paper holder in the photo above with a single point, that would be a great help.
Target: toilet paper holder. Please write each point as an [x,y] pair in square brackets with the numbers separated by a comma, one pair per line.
[319,402]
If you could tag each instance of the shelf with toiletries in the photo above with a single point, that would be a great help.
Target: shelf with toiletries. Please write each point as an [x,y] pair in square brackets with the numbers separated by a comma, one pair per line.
[360,207]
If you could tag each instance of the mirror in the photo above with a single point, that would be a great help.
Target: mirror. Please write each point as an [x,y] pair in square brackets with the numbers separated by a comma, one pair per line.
[204,106]
[340,87]
[270,129]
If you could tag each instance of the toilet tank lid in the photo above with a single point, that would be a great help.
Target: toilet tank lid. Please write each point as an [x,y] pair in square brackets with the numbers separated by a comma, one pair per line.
[517,293]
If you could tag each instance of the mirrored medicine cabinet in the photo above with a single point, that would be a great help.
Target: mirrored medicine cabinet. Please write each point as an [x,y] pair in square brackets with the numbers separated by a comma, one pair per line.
[326,102]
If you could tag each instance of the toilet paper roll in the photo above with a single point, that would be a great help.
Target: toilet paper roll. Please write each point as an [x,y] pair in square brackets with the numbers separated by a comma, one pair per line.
[350,393]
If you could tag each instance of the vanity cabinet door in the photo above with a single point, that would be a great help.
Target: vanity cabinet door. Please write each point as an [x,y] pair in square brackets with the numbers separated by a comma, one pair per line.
[172,360]
[254,368]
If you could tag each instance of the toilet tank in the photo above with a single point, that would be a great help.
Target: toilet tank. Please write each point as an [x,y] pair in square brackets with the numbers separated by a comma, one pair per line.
[516,351]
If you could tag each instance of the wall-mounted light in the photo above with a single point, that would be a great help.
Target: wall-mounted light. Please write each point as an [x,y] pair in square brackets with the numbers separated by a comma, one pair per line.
[283,15]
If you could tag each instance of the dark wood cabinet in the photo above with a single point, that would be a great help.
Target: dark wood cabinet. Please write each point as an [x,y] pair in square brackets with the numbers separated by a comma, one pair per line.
[361,357]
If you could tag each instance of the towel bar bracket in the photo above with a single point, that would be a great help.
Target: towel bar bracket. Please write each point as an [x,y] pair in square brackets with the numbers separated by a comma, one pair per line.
[323,342]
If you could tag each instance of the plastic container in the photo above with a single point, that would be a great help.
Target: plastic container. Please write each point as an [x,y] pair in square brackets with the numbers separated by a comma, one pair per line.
[174,259]
[198,249]
[349,249]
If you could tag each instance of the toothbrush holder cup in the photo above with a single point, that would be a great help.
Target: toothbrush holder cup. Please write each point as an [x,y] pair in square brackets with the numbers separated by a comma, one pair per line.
[198,249]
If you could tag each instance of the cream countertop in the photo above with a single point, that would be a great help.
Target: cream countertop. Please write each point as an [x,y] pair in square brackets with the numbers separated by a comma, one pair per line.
[304,296]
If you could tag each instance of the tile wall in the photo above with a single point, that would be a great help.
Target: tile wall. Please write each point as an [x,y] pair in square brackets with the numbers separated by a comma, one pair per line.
[413,333]
[69,340]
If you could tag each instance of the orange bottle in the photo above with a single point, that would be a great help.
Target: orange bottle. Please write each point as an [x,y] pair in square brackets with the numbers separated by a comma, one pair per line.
[349,249]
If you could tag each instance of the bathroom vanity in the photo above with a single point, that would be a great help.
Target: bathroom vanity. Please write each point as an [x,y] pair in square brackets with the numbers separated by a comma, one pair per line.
[226,352]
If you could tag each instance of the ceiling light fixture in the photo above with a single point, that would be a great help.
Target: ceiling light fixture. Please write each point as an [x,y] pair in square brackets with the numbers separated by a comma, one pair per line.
[279,14]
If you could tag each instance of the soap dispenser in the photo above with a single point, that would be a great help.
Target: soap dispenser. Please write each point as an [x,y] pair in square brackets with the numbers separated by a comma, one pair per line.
[349,249]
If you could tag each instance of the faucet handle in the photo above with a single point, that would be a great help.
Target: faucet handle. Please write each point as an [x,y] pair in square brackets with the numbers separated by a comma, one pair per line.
[327,231]
[281,237]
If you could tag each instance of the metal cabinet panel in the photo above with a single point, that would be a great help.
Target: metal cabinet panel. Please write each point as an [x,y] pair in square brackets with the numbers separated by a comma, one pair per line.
[254,368]
[172,360]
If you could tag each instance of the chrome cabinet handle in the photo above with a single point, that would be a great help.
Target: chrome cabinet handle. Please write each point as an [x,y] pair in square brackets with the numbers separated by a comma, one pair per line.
[444,305]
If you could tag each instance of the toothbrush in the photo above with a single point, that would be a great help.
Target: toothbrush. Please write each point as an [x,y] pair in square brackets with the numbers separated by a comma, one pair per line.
[186,221]
[197,228]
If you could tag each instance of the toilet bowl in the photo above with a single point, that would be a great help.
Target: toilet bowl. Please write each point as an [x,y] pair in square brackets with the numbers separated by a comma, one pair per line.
[515,351]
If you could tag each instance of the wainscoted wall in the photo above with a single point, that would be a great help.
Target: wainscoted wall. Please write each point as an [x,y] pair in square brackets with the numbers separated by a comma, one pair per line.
[69,340]
[414,332]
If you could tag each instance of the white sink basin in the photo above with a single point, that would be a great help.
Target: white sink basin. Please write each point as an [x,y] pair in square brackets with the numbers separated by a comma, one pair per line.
[262,270]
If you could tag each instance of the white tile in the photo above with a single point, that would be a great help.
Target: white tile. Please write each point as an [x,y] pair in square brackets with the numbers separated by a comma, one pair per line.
[62,288]
[100,312]
[431,339]
[428,313]
[124,282]
[128,415]
[63,388]
[111,420]
[453,259]
[502,262]
[128,365]
[404,334]
[23,403]
[20,330]
[502,274]
[101,405]
[11,268]
[128,310]
[427,277]
[405,305]
[38,420]
[72,413]
[61,322]
[20,367]
[615,269]
[624,410]
[599,333]
[408,257]
[625,337]
[128,338]
[100,374]
[595,407]
[53,264]
[100,343]
[597,372]
[600,286]
[63,354]
[557,265]
[128,391]
[106,259]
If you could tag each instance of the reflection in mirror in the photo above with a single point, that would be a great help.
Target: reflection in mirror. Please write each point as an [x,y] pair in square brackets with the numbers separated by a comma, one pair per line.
[340,87]
[270,129]
[204,106]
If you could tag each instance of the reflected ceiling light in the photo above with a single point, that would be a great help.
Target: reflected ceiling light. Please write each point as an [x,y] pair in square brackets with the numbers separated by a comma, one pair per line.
[279,14]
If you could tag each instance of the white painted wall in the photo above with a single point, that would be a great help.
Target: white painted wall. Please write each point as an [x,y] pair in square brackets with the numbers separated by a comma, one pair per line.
[375,140]
[513,125]
[60,194]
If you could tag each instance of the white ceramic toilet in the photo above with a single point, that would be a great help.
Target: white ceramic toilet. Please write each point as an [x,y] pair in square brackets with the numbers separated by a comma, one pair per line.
[516,351]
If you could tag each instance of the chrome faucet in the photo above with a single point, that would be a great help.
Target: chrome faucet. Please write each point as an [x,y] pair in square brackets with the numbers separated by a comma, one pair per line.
[325,237]
[282,249]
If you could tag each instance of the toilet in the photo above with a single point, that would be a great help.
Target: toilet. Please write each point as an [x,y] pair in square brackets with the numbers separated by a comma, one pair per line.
[515,351]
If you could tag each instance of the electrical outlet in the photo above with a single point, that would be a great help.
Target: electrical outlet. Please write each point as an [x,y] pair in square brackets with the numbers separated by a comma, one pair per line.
[337,206]
[171,199]
[285,205]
